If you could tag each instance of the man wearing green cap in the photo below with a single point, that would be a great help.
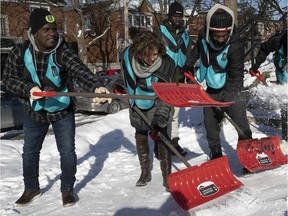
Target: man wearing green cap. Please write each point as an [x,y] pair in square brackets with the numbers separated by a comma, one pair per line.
[33,67]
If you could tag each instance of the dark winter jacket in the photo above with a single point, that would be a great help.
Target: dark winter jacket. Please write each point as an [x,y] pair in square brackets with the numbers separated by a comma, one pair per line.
[18,80]
[165,74]
[176,34]
[274,44]
[234,67]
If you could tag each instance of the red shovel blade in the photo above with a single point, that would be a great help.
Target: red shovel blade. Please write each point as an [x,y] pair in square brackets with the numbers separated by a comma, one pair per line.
[199,184]
[185,95]
[260,154]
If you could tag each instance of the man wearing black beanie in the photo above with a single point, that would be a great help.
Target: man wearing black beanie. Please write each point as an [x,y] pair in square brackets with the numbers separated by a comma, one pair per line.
[38,18]
[221,53]
[31,68]
[178,43]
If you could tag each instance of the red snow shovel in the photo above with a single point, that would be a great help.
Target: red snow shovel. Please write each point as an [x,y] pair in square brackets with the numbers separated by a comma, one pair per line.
[182,95]
[255,154]
[260,154]
[198,184]
[185,95]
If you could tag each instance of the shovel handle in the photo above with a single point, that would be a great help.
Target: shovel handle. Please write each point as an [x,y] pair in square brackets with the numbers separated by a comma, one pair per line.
[259,76]
[92,95]
[238,129]
[190,76]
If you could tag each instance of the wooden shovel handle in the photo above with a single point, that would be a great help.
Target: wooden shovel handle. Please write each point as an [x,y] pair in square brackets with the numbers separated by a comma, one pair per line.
[92,95]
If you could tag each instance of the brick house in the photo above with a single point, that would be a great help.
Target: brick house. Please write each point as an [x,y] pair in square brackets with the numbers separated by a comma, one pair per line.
[106,51]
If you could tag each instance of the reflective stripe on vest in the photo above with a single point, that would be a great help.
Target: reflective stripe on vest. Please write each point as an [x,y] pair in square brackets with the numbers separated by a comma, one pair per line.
[142,104]
[213,79]
[51,104]
[176,53]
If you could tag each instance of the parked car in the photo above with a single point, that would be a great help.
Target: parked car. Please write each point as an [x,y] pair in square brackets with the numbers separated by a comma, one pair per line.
[12,112]
[108,72]
[115,85]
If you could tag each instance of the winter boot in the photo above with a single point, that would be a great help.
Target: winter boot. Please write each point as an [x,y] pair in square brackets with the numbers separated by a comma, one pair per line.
[177,146]
[165,163]
[27,197]
[144,159]
[216,152]
[68,199]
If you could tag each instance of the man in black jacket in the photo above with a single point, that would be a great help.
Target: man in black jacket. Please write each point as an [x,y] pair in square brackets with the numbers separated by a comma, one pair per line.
[178,42]
[221,53]
[278,45]
[45,63]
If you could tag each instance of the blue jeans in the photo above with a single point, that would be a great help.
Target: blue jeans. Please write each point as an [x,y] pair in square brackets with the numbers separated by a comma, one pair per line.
[35,133]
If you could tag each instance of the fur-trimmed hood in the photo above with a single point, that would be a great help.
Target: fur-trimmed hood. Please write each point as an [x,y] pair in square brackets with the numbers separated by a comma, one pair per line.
[211,13]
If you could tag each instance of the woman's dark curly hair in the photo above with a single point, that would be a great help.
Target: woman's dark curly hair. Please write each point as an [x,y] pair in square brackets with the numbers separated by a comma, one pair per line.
[144,44]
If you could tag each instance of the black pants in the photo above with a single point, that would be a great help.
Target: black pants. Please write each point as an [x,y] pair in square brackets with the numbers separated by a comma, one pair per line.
[213,118]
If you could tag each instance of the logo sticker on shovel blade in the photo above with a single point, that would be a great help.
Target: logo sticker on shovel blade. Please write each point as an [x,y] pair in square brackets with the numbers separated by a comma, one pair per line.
[207,188]
[263,159]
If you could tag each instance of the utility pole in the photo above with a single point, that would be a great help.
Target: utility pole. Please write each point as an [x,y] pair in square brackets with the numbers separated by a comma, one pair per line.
[126,33]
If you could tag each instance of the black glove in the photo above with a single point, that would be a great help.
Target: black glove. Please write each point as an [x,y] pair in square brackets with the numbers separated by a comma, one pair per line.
[179,77]
[158,124]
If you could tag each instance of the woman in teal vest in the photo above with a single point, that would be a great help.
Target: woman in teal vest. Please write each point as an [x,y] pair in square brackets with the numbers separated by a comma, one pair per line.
[145,62]
[221,53]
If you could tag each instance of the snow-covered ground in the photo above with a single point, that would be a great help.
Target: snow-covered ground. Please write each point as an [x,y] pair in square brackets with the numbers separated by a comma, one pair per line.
[108,169]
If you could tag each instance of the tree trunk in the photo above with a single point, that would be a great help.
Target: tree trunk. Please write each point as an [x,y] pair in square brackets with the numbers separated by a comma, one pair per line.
[232,4]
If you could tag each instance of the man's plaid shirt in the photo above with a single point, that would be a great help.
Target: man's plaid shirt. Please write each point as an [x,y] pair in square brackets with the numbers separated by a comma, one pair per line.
[20,83]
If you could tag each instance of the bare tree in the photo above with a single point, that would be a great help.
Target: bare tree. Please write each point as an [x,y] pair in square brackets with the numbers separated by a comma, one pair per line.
[83,12]
[232,4]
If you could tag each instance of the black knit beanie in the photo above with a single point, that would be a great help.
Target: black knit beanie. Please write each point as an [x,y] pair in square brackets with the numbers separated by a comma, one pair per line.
[221,20]
[38,18]
[175,9]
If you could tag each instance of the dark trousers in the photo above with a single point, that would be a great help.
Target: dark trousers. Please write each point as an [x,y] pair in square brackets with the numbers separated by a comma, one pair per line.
[213,118]
[35,133]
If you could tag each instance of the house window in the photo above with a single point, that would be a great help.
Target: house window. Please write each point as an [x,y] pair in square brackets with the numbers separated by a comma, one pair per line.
[260,28]
[65,28]
[148,21]
[130,20]
[185,21]
[87,24]
[136,20]
[140,20]
[4,25]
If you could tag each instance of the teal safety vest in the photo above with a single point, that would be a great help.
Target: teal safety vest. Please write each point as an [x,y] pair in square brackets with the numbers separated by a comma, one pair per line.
[213,79]
[133,89]
[176,51]
[51,104]
[281,73]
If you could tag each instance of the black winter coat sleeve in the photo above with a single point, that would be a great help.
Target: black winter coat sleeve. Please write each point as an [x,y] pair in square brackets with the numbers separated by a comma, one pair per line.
[271,45]
[235,67]
[194,54]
